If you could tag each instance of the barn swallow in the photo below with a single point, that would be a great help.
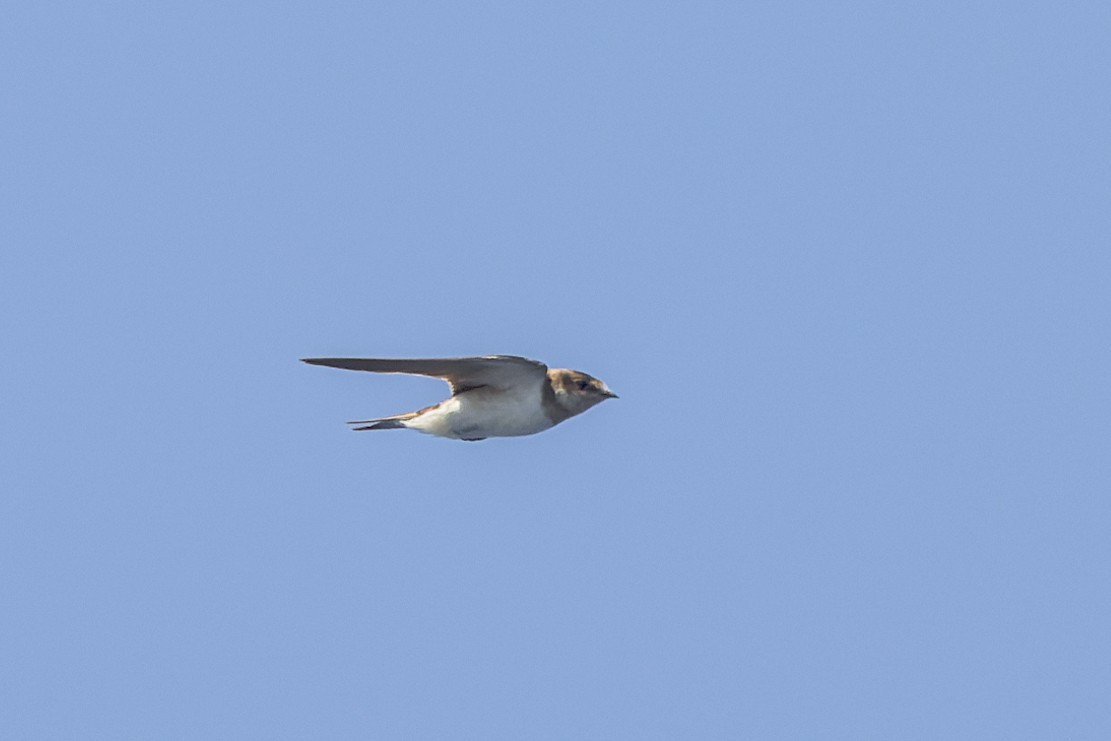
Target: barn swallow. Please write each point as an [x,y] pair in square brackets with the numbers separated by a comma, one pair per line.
[491,396]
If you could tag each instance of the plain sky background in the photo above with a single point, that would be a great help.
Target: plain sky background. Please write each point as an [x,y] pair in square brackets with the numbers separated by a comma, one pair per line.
[847,265]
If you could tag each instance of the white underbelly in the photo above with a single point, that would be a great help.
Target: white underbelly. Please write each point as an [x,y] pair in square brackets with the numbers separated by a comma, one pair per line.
[475,414]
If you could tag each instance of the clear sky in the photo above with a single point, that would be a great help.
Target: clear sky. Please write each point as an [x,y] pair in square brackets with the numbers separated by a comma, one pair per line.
[847,265]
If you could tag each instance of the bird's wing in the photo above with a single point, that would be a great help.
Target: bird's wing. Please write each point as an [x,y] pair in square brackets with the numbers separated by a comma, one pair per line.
[464,374]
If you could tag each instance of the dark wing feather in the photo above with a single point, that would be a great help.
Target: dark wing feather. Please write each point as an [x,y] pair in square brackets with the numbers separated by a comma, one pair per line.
[464,374]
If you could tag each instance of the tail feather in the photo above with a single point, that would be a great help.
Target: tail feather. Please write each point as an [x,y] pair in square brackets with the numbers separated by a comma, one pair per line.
[386,424]
[396,422]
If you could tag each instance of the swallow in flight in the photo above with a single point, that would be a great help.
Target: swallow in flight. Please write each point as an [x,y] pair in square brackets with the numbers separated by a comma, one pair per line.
[491,396]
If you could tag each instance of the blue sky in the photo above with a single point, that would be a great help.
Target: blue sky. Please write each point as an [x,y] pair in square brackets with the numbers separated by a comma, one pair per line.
[846,264]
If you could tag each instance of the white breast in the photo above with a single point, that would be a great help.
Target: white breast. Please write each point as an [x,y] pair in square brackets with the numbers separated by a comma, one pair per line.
[485,413]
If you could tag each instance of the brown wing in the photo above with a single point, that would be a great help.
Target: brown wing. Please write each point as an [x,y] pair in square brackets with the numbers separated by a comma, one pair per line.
[464,374]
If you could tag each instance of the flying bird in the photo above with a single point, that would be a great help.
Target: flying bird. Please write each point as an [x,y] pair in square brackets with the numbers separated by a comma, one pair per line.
[491,396]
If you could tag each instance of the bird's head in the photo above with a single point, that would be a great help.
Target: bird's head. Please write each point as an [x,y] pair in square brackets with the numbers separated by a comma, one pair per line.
[576,392]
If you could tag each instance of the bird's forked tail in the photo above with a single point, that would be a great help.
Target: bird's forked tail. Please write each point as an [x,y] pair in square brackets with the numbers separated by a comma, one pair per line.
[395,422]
